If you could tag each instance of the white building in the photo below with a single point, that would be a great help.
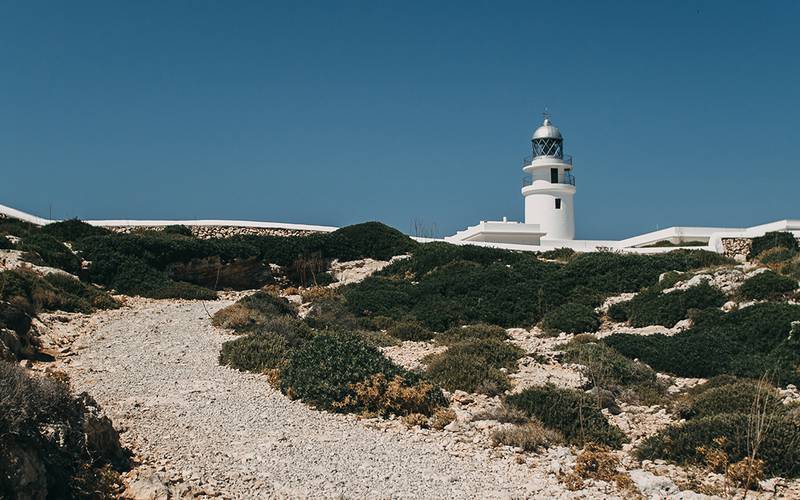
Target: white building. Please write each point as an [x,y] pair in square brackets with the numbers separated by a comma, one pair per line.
[549,190]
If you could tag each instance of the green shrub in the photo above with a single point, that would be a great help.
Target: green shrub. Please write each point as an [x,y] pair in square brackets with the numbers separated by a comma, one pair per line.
[327,370]
[610,370]
[466,372]
[573,413]
[295,332]
[747,343]
[571,318]
[267,305]
[618,312]
[5,243]
[767,285]
[791,268]
[73,230]
[780,448]
[16,227]
[49,251]
[43,428]
[410,330]
[737,397]
[367,240]
[94,297]
[332,314]
[773,240]
[472,332]
[656,308]
[33,293]
[255,352]
[133,276]
[776,255]
[179,230]
[496,353]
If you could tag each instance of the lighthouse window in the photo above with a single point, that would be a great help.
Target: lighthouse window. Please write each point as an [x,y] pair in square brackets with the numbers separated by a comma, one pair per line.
[554,175]
[558,203]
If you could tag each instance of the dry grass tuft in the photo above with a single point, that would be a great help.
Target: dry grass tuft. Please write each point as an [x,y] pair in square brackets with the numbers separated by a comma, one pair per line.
[235,317]
[530,437]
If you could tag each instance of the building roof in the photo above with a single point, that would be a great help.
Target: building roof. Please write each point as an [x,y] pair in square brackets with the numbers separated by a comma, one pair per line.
[547,131]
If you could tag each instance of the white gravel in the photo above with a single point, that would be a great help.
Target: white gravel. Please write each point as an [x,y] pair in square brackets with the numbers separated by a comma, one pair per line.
[153,366]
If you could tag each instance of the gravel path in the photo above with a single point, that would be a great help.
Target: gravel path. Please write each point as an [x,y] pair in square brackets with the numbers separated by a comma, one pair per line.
[153,366]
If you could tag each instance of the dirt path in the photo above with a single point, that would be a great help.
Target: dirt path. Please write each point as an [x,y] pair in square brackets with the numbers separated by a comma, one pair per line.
[153,367]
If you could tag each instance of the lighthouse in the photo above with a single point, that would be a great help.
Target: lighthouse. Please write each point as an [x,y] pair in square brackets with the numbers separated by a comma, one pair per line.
[549,186]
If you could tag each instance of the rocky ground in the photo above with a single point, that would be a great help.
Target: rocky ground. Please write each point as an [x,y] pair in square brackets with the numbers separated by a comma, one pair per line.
[203,430]
[200,429]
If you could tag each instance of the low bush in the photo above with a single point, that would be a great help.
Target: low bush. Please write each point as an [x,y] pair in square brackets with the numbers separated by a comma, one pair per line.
[792,268]
[773,240]
[618,312]
[466,372]
[43,249]
[741,396]
[179,230]
[410,330]
[379,395]
[5,243]
[655,308]
[496,353]
[746,343]
[133,276]
[93,296]
[571,318]
[607,369]
[266,305]
[684,443]
[32,293]
[573,413]
[327,370]
[333,314]
[775,255]
[530,436]
[472,332]
[767,285]
[252,310]
[43,428]
[73,230]
[367,240]
[256,352]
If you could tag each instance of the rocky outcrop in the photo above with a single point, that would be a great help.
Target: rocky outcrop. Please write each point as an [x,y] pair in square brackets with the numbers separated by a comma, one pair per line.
[211,272]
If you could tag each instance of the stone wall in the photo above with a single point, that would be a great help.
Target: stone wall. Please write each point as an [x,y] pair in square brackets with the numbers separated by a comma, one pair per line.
[209,232]
[736,248]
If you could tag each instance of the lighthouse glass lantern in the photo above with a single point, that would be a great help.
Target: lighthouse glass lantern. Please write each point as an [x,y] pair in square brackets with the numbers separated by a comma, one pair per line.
[548,141]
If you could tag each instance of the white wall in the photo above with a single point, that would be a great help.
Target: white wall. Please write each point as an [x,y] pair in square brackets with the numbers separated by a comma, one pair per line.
[557,224]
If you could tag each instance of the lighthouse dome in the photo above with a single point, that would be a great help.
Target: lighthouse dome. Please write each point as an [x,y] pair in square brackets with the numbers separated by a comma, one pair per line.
[547,131]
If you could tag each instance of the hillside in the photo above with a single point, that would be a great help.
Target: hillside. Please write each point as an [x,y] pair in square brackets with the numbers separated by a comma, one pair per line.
[362,363]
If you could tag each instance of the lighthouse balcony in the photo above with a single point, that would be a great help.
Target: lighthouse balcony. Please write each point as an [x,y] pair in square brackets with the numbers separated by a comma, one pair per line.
[565,178]
[535,160]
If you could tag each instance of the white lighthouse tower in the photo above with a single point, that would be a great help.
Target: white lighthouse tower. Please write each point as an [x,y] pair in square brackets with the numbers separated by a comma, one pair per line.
[549,185]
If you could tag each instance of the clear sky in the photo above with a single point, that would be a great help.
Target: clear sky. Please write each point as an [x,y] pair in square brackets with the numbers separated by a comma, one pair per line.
[677,112]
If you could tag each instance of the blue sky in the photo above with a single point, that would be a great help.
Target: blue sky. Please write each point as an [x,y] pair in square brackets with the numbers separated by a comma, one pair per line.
[677,113]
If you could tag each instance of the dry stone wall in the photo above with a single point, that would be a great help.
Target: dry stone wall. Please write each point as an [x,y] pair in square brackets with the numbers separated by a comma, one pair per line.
[736,248]
[209,232]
